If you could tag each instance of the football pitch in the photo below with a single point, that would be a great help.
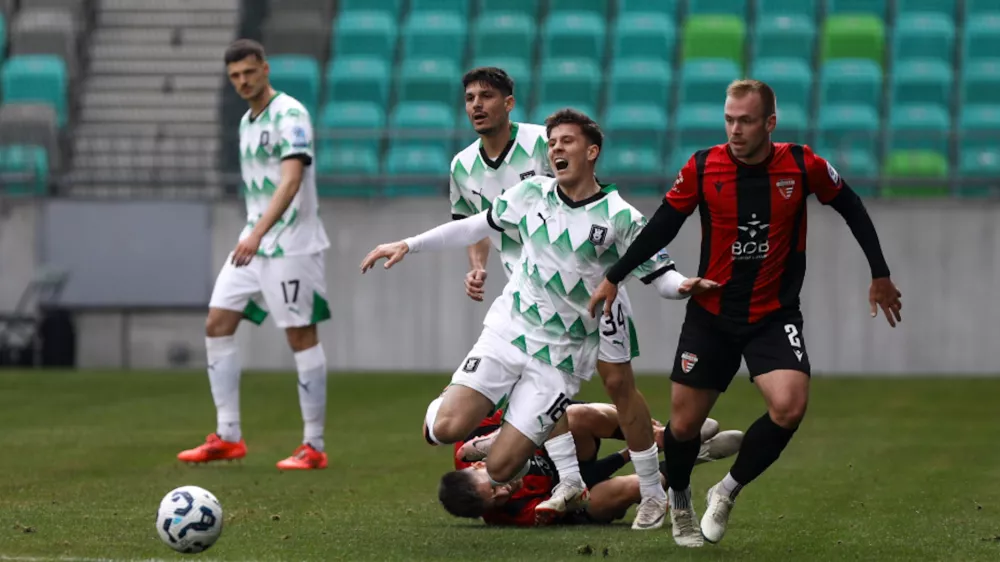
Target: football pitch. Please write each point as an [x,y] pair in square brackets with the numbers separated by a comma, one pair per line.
[902,469]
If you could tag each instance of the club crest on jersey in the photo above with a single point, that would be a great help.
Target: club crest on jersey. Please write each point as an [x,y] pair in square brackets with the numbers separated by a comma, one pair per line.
[786,188]
[527,175]
[598,234]
[471,364]
[688,361]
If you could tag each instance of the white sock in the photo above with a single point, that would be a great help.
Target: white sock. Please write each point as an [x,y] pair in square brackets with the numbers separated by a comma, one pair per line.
[730,487]
[562,451]
[311,365]
[224,376]
[430,417]
[647,467]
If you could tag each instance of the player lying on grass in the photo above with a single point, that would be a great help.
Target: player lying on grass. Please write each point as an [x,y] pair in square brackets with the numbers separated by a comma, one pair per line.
[466,491]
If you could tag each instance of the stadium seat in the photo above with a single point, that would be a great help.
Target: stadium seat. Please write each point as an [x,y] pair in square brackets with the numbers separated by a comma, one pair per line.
[515,31]
[902,167]
[24,170]
[358,79]
[3,38]
[791,80]
[621,165]
[664,7]
[46,31]
[637,126]
[980,173]
[924,36]
[848,128]
[853,37]
[649,36]
[519,71]
[31,124]
[430,80]
[705,81]
[767,9]
[699,125]
[731,7]
[919,127]
[37,79]
[297,33]
[680,156]
[874,7]
[640,81]
[982,37]
[851,81]
[526,7]
[922,81]
[599,8]
[459,8]
[543,110]
[976,8]
[389,7]
[942,8]
[434,35]
[573,35]
[367,33]
[714,37]
[351,124]
[978,128]
[422,125]
[320,9]
[569,81]
[981,82]
[858,167]
[793,124]
[297,76]
[785,37]
[346,161]
[416,161]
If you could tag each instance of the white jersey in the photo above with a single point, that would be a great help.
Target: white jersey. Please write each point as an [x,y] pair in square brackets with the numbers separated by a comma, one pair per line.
[476,180]
[567,249]
[283,130]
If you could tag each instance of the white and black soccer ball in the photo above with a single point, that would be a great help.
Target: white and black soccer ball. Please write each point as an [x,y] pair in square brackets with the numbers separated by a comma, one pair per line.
[189,519]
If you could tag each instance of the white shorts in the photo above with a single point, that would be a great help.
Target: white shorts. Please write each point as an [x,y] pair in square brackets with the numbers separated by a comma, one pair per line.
[291,288]
[536,394]
[619,343]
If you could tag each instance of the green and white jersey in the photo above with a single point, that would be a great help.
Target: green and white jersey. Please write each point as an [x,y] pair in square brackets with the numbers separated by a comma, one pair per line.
[476,180]
[281,131]
[567,247]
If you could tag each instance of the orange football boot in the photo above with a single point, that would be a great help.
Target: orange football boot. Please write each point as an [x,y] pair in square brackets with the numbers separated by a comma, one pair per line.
[214,449]
[304,458]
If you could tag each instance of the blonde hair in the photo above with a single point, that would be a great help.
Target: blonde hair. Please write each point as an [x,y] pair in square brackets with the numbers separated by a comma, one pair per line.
[740,88]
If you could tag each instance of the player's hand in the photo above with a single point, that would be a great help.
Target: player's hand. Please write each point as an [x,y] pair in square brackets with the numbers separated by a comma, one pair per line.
[393,252]
[696,286]
[475,284]
[883,293]
[606,292]
[246,250]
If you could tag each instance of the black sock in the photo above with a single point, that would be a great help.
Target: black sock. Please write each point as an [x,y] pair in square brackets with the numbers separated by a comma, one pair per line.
[762,445]
[679,457]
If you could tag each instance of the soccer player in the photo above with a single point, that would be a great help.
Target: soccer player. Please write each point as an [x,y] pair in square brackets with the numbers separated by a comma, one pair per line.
[752,197]
[538,344]
[466,492]
[277,267]
[505,154]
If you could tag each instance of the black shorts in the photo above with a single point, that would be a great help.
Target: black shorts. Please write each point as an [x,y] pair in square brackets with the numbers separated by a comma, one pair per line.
[711,348]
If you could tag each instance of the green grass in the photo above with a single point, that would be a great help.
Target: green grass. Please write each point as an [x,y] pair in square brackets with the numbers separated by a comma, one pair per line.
[881,470]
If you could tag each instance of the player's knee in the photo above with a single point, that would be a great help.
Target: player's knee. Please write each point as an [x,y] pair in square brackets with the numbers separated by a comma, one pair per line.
[619,386]
[788,410]
[502,467]
[302,338]
[218,324]
[685,428]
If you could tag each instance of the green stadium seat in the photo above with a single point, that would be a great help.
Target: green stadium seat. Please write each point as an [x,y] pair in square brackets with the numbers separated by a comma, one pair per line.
[40,79]
[714,37]
[24,170]
[904,168]
[637,126]
[346,161]
[458,7]
[976,8]
[923,36]
[389,7]
[767,9]
[734,7]
[626,166]
[785,37]
[526,7]
[980,170]
[640,81]
[358,79]
[428,161]
[650,36]
[573,35]
[430,80]
[858,167]
[699,125]
[371,34]
[422,124]
[982,37]
[519,71]
[851,81]
[853,37]
[569,81]
[981,82]
[543,110]
[680,156]
[922,81]
[599,8]
[515,31]
[434,35]
[874,7]
[705,81]
[791,80]
[793,124]
[941,8]
[848,127]
[919,127]
[297,76]
[978,128]
[351,124]
[664,7]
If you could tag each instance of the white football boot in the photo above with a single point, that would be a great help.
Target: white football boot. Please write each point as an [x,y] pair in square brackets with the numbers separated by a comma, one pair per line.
[716,519]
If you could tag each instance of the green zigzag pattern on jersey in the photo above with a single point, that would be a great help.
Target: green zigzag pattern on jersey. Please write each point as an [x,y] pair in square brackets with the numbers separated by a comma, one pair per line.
[461,175]
[555,325]
[462,207]
[578,295]
[264,189]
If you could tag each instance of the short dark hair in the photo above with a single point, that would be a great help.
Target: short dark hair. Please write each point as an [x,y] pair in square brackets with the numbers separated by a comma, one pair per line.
[570,116]
[491,75]
[459,496]
[243,48]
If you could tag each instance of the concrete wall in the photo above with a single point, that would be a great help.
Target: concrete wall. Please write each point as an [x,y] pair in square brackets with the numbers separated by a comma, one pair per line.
[945,258]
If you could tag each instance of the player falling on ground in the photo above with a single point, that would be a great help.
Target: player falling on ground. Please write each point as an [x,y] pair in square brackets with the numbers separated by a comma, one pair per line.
[277,267]
[752,197]
[505,154]
[466,491]
[538,343]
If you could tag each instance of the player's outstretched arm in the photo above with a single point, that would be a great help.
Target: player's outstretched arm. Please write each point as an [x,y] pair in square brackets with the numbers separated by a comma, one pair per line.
[455,234]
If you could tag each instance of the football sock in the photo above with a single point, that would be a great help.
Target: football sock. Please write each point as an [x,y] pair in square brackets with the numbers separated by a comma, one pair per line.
[647,469]
[429,418]
[562,451]
[730,487]
[762,445]
[224,377]
[679,457]
[311,365]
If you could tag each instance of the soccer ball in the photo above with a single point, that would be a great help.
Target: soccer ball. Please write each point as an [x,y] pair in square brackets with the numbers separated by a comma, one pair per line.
[189,519]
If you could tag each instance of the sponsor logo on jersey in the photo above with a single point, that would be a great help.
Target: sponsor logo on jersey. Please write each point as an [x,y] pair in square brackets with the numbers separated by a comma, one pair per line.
[527,175]
[299,139]
[834,176]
